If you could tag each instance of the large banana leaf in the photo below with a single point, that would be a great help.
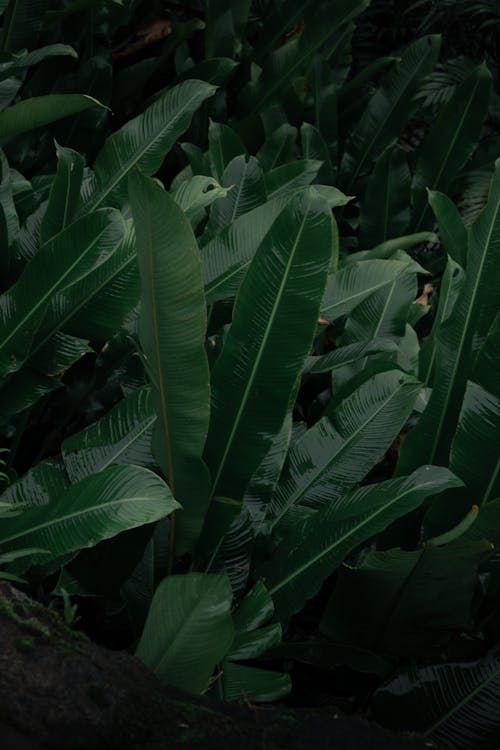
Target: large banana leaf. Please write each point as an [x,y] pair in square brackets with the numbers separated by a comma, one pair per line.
[278,148]
[459,338]
[64,260]
[406,603]
[350,286]
[451,286]
[64,193]
[385,210]
[145,141]
[223,146]
[449,143]
[346,355]
[453,704]
[452,232]
[9,221]
[293,58]
[41,110]
[474,455]
[290,177]
[196,193]
[188,629]
[244,178]
[22,24]
[340,449]
[22,60]
[97,508]
[272,330]
[312,550]
[122,436]
[388,110]
[172,329]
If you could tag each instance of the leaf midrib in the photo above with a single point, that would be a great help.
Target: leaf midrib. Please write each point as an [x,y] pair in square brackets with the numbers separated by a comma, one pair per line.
[256,364]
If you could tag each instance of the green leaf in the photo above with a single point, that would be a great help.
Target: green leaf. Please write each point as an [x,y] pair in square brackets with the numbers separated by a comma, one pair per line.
[255,609]
[312,550]
[459,338]
[351,285]
[280,294]
[172,327]
[388,110]
[122,436]
[64,194]
[24,59]
[188,629]
[474,455]
[385,210]
[41,110]
[388,248]
[44,483]
[346,355]
[197,193]
[244,182]
[223,146]
[278,148]
[289,177]
[452,232]
[448,703]
[97,508]
[451,286]
[406,603]
[450,142]
[293,58]
[9,221]
[226,258]
[340,449]
[244,683]
[145,141]
[59,263]
[315,147]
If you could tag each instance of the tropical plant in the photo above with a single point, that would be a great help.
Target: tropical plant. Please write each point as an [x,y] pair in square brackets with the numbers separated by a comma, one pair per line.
[249,337]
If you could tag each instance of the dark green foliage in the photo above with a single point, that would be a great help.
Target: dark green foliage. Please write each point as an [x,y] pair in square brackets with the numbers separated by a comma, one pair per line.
[249,350]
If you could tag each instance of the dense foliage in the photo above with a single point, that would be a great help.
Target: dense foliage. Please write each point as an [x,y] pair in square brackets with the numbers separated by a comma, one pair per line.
[249,348]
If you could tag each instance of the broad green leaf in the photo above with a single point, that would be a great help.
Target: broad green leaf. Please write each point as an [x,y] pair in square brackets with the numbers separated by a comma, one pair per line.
[243,683]
[225,258]
[97,508]
[41,110]
[255,609]
[315,147]
[385,210]
[346,355]
[388,110]
[340,449]
[326,117]
[452,704]
[214,70]
[279,20]
[278,148]
[188,629]
[280,294]
[351,285]
[406,603]
[451,285]
[172,327]
[95,306]
[474,455]
[293,58]
[145,141]
[289,177]
[64,193]
[122,436]
[458,340]
[197,193]
[223,146]
[450,142]
[44,483]
[251,645]
[312,550]
[23,389]
[452,232]
[24,59]
[244,181]
[59,263]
